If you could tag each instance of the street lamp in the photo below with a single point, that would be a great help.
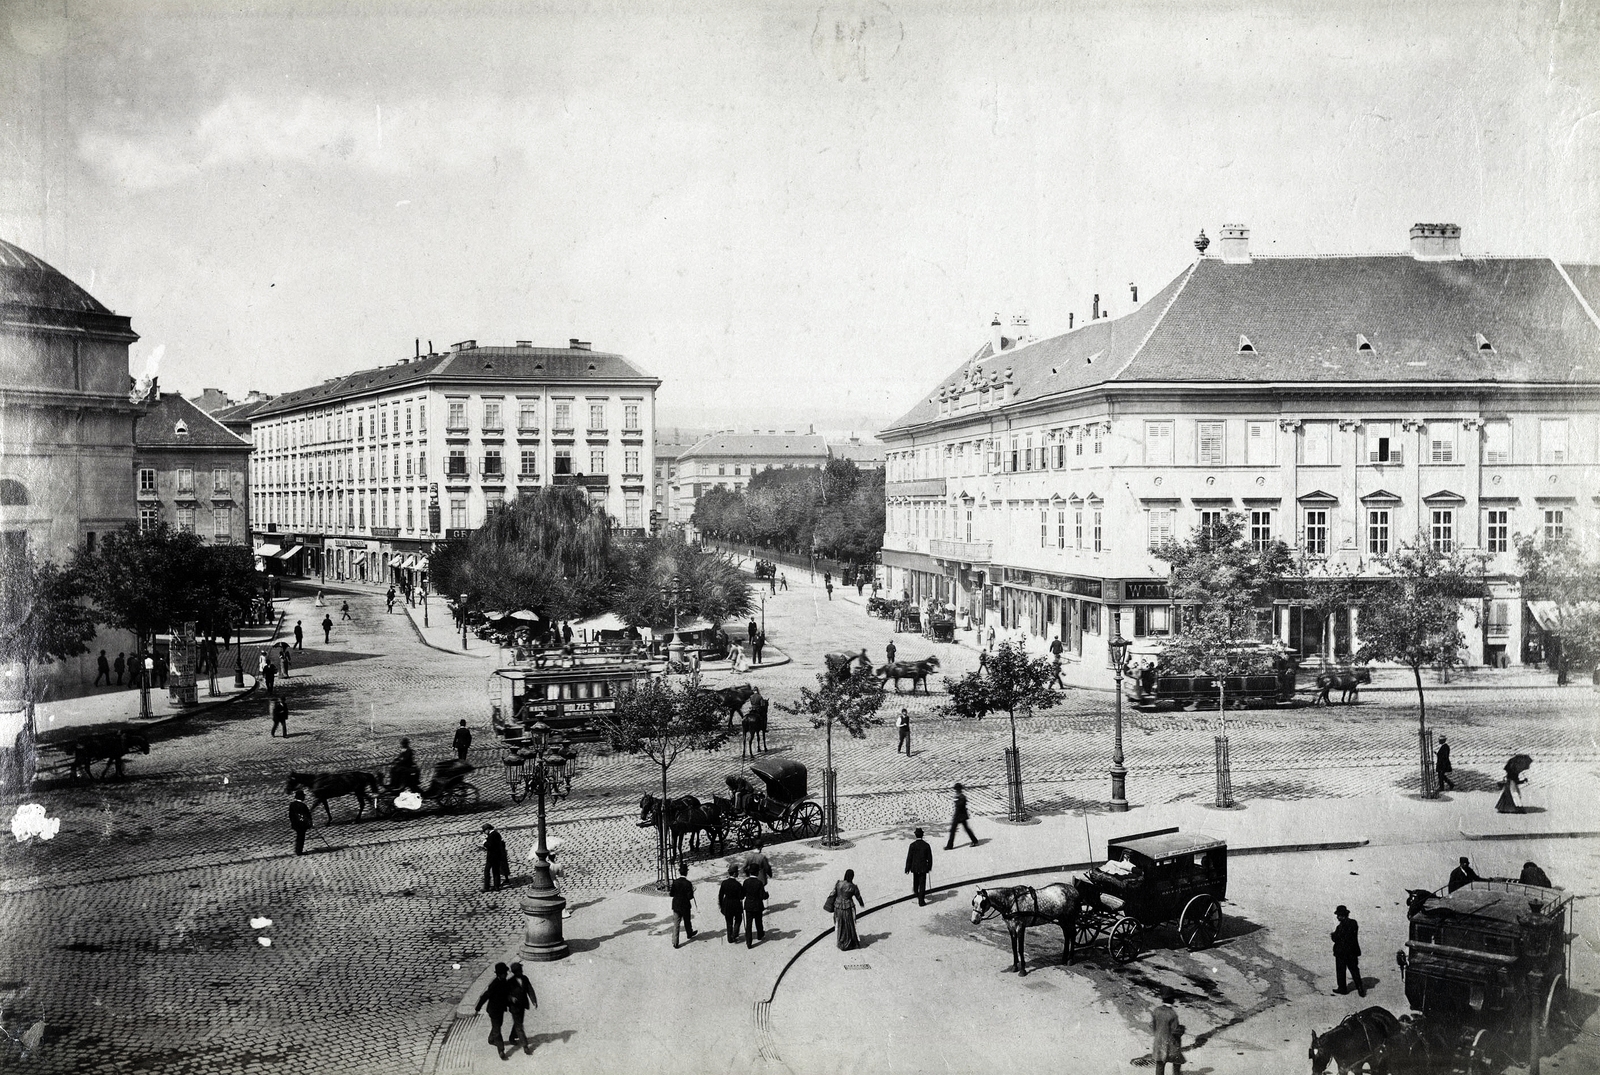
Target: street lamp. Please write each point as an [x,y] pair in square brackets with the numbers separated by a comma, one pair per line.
[461,609]
[1119,647]
[144,687]
[424,604]
[542,906]
[675,647]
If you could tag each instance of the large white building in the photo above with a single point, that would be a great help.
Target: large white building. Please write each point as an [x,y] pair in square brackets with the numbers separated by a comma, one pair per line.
[1343,404]
[356,478]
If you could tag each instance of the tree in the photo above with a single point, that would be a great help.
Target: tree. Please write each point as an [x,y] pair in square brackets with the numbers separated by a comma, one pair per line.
[42,616]
[661,719]
[146,581]
[1321,590]
[837,509]
[852,701]
[708,584]
[1567,574]
[1008,681]
[1412,615]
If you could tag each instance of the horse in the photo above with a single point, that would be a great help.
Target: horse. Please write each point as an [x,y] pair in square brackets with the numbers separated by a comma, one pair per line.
[110,747]
[324,786]
[1021,907]
[1416,900]
[915,671]
[687,817]
[731,699]
[1347,682]
[755,727]
[1367,1040]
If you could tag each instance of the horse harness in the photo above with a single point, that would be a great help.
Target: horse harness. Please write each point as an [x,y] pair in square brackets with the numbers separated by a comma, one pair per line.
[1016,898]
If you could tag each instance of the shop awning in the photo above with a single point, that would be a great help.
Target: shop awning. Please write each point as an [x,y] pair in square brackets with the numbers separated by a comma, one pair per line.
[394,561]
[289,553]
[1547,614]
[411,563]
[268,550]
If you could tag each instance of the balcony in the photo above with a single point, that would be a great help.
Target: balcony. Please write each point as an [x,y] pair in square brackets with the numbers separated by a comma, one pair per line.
[965,552]
[590,481]
[527,477]
[529,429]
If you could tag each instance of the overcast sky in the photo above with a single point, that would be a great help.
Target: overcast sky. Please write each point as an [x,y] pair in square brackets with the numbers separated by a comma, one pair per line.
[790,213]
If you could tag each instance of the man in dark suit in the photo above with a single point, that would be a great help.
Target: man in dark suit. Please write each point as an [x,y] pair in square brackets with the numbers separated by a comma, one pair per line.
[958,820]
[751,630]
[755,901]
[1442,767]
[280,716]
[462,741]
[682,892]
[1347,950]
[919,864]
[498,997]
[730,901]
[299,820]
[1462,875]
[120,665]
[299,635]
[104,670]
[496,863]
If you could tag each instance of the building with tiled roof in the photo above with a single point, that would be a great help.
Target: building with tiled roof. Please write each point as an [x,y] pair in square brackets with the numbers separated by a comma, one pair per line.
[866,454]
[670,443]
[355,478]
[729,459]
[236,416]
[1344,404]
[192,472]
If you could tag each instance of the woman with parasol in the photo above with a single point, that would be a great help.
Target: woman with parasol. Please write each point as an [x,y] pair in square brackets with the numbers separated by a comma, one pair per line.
[1510,801]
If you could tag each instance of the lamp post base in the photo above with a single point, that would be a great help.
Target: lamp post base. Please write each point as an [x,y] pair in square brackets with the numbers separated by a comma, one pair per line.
[542,941]
[675,651]
[1119,790]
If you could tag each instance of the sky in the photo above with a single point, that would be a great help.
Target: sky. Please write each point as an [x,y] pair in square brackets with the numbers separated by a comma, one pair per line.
[791,213]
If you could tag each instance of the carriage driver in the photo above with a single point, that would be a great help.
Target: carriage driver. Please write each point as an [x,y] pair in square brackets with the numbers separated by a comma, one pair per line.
[403,771]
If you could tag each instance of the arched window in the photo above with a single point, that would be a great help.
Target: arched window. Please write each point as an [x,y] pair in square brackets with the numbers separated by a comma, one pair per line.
[13,493]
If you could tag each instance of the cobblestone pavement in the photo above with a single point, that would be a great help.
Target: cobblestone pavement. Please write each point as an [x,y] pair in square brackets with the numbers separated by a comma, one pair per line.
[129,934]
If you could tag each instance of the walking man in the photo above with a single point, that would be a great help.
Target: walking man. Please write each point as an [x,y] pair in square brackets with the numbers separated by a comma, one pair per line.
[105,670]
[919,864]
[751,630]
[283,659]
[388,600]
[299,820]
[757,860]
[462,741]
[755,900]
[1347,950]
[497,996]
[890,650]
[730,901]
[496,863]
[902,725]
[682,893]
[268,672]
[1168,1045]
[1055,660]
[959,820]
[120,665]
[299,635]
[1442,767]
[327,629]
[344,612]
[783,580]
[757,646]
[280,716]
[519,996]
[828,585]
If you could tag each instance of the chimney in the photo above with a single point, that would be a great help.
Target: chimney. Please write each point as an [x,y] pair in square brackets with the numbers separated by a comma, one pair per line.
[1070,316]
[1436,242]
[524,343]
[1235,244]
[419,348]
[1019,329]
[576,344]
[1096,316]
[1135,289]
[997,340]
[465,345]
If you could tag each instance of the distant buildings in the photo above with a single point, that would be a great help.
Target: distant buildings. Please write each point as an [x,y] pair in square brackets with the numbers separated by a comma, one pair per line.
[192,473]
[670,444]
[729,460]
[866,454]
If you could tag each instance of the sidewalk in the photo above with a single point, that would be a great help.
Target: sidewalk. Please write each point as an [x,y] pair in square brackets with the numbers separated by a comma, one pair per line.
[443,635]
[119,706]
[625,1001]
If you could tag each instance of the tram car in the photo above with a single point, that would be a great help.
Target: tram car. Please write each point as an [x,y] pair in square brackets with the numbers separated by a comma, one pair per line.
[1267,677]
[565,698]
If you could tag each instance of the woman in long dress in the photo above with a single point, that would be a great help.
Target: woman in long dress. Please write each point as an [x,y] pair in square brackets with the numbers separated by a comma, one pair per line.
[1510,801]
[845,897]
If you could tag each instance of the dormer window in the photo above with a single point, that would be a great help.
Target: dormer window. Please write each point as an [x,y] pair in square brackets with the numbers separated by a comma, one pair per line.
[1362,344]
[181,429]
[1483,343]
[1245,346]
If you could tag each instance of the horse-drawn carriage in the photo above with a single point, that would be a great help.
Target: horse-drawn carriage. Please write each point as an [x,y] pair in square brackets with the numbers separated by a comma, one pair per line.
[449,788]
[908,618]
[1149,879]
[780,809]
[941,625]
[766,569]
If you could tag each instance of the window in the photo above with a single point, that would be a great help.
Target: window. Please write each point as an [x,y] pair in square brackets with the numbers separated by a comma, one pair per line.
[361,428]
[1213,444]
[1099,439]
[1498,530]
[1382,447]
[1077,528]
[630,417]
[361,467]
[493,465]
[1553,440]
[1152,620]
[1013,457]
[384,422]
[411,515]
[422,464]
[597,416]
[185,481]
[1061,527]
[563,461]
[455,465]
[597,460]
[1158,443]
[1497,442]
[633,512]
[458,513]
[1555,525]
[491,414]
[1210,519]
[1027,453]
[1044,528]
[1077,442]
[1316,536]
[147,481]
[1258,444]
[219,482]
[186,520]
[632,462]
[530,462]
[1316,444]
[1160,526]
[1443,530]
[149,516]
[422,418]
[1261,528]
[1378,531]
[361,508]
[408,419]
[528,415]
[1441,442]
[457,418]
[408,464]
[1098,530]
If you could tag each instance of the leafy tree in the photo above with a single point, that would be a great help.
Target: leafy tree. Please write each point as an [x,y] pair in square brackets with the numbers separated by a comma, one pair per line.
[1566,573]
[837,509]
[852,701]
[42,616]
[1007,682]
[1322,591]
[146,581]
[709,585]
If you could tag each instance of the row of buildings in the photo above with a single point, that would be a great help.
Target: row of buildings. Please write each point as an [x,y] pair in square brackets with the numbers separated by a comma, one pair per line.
[1342,404]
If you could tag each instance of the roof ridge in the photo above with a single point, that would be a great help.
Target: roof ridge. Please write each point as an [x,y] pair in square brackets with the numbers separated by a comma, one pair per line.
[1162,316]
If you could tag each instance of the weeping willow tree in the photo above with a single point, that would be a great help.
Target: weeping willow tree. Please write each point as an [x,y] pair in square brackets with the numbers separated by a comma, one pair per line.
[662,572]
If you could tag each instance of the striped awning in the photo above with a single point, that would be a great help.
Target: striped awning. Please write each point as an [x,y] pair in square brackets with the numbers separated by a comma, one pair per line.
[268,550]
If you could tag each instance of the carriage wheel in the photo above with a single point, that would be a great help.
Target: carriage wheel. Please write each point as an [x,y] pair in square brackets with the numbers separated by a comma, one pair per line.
[1123,941]
[1479,1062]
[1200,923]
[469,794]
[749,832]
[1085,933]
[808,820]
[383,804]
[1555,1002]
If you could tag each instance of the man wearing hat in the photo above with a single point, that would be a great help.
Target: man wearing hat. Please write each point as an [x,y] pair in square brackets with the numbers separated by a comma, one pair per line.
[1347,950]
[496,863]
[919,864]
[1463,875]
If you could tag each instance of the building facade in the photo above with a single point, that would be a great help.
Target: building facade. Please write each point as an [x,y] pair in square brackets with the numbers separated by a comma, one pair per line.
[192,473]
[1343,405]
[729,460]
[355,479]
[669,444]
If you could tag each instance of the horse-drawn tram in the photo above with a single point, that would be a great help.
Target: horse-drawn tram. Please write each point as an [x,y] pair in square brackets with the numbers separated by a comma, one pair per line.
[565,697]
[780,809]
[1149,879]
[1267,678]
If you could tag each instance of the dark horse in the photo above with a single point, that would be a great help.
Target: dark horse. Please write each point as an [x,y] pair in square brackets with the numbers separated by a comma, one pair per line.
[1371,1040]
[1021,907]
[731,700]
[1347,682]
[686,816]
[915,671]
[109,747]
[755,726]
[325,786]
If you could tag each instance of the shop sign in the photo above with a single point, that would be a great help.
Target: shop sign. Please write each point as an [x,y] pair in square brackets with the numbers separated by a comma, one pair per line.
[1145,590]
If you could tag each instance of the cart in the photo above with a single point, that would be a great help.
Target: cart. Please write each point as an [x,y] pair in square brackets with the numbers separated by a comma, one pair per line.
[449,788]
[1150,879]
[941,627]
[780,809]
[766,569]
[909,619]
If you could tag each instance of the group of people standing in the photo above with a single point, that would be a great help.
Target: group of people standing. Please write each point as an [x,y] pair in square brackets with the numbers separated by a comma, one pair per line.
[739,901]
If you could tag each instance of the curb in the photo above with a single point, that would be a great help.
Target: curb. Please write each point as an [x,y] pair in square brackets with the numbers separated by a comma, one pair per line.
[156,722]
[1570,835]
[459,653]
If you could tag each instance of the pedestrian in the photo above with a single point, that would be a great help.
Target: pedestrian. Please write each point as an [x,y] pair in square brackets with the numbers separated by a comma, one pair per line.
[497,996]
[755,900]
[783,580]
[1510,801]
[990,646]
[120,665]
[344,612]
[1462,875]
[1167,1048]
[919,864]
[327,629]
[280,716]
[829,587]
[283,659]
[1442,767]
[682,892]
[735,657]
[105,670]
[1347,951]
[902,725]
[757,646]
[1055,660]
[860,582]
[890,650]
[842,903]
[320,603]
[388,601]
[299,820]
[161,670]
[757,860]
[496,863]
[751,630]
[958,819]
[730,901]
[519,997]
[462,740]
[268,672]
[772,582]
[299,635]
[1532,875]
[566,633]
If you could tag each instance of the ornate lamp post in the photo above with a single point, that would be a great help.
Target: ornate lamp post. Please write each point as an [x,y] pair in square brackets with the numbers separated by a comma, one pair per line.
[462,609]
[1119,774]
[675,648]
[542,906]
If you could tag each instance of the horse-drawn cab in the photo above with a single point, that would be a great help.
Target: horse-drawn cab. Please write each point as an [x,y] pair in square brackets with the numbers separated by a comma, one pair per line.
[1149,879]
[779,806]
[766,569]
